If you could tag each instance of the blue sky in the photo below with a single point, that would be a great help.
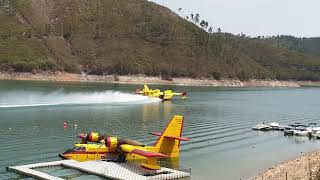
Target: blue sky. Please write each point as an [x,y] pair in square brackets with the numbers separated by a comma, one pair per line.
[255,17]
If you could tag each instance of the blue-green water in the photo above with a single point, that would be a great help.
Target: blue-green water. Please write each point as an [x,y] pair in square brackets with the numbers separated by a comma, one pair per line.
[218,121]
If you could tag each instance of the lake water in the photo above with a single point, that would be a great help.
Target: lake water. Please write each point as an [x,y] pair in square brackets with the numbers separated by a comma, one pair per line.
[218,121]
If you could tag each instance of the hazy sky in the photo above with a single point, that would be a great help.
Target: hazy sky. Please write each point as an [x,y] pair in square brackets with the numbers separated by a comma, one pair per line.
[255,17]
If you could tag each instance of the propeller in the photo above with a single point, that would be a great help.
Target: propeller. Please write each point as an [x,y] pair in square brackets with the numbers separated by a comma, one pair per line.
[83,136]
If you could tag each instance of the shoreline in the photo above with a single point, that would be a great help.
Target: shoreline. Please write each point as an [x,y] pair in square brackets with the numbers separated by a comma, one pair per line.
[141,79]
[304,167]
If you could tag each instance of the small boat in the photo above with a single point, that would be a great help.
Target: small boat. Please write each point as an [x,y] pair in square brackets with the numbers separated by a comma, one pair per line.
[288,130]
[274,126]
[282,127]
[261,127]
[294,125]
[302,130]
[316,134]
[312,124]
[313,127]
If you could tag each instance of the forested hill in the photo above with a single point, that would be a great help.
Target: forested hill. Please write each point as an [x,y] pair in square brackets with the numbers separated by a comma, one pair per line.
[309,46]
[140,37]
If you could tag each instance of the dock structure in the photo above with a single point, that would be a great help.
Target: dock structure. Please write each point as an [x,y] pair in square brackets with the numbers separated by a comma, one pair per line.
[30,170]
[105,169]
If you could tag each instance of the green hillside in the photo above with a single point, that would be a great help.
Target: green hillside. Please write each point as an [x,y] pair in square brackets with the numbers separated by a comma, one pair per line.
[140,37]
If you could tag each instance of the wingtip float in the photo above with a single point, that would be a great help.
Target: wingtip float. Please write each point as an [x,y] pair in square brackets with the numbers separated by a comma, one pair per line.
[165,95]
[95,147]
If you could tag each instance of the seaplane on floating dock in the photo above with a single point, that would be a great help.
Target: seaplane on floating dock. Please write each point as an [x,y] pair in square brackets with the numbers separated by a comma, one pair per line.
[119,158]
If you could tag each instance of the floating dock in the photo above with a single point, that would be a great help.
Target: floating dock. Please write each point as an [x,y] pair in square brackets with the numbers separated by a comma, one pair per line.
[106,169]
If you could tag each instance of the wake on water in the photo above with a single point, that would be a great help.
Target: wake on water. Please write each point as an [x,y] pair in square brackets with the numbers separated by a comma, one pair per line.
[31,99]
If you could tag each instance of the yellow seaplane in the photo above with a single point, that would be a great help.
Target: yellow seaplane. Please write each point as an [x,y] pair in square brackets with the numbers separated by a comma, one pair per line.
[97,147]
[166,95]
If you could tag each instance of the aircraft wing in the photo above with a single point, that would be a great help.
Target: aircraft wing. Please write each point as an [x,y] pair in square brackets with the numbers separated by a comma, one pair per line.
[151,156]
[141,151]
[148,154]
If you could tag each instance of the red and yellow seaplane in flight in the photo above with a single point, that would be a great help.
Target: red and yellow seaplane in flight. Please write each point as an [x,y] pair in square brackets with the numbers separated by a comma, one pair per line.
[165,95]
[96,147]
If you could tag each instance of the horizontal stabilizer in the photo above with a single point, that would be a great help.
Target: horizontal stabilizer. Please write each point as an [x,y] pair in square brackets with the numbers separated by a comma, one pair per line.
[148,154]
[171,137]
[156,133]
[178,138]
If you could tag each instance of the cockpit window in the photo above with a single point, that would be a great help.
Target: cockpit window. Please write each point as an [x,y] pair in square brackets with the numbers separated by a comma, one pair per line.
[80,148]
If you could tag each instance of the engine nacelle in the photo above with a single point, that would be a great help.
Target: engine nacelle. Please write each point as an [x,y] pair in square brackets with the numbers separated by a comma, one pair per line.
[112,143]
[94,137]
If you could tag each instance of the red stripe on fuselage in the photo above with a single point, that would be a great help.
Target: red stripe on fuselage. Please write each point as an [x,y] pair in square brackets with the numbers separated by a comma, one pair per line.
[84,152]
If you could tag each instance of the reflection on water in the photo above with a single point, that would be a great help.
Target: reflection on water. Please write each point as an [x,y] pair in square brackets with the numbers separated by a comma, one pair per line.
[149,109]
[163,109]
[301,139]
[173,163]
[167,108]
[218,121]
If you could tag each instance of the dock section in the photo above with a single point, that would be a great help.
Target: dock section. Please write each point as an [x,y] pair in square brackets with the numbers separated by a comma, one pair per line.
[103,169]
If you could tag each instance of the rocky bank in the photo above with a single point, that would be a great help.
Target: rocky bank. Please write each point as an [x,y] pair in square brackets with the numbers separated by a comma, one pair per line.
[306,167]
[141,79]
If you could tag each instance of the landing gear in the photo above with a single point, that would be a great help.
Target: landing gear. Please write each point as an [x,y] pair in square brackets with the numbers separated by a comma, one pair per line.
[117,159]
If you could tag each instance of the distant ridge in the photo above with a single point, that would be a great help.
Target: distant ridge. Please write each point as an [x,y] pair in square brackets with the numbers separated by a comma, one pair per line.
[126,37]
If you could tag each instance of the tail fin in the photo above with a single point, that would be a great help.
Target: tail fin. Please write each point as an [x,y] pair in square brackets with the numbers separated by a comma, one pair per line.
[168,142]
[145,88]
